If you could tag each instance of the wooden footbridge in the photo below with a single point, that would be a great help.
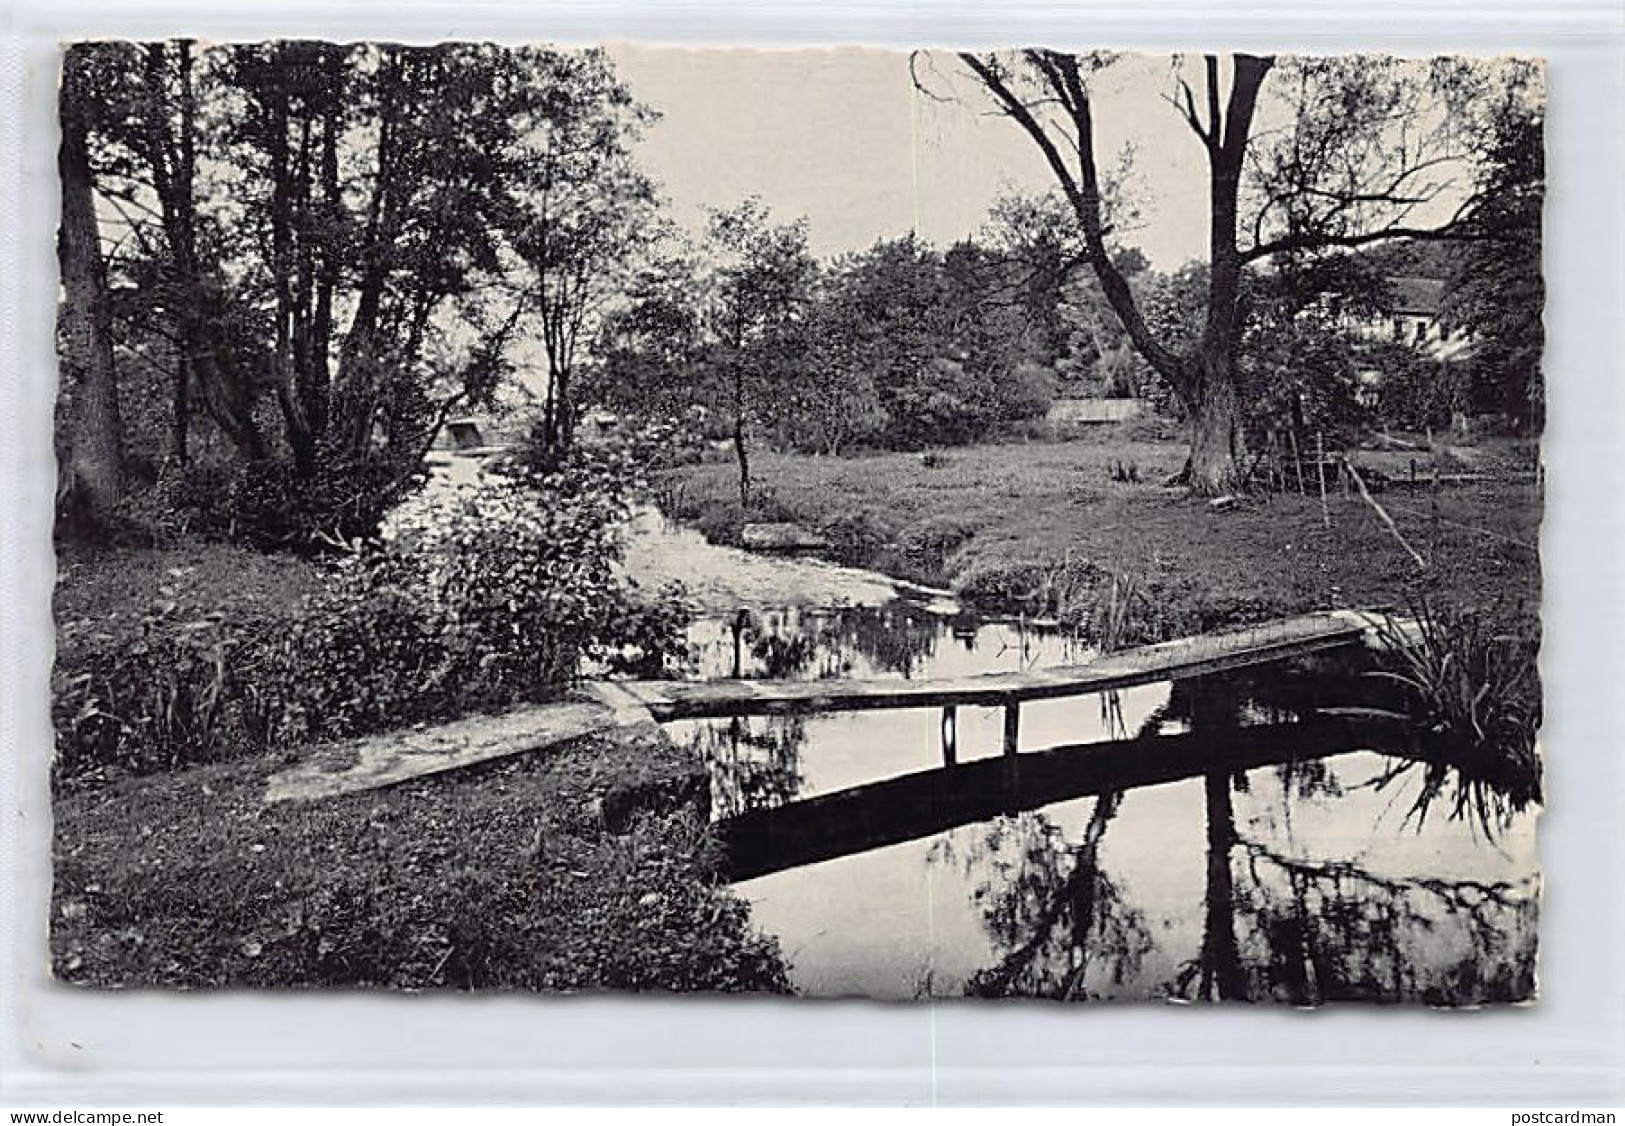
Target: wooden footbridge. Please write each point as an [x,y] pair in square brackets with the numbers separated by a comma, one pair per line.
[668,700]
[601,706]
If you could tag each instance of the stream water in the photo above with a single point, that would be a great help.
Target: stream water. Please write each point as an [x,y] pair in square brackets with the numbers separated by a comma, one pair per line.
[1220,838]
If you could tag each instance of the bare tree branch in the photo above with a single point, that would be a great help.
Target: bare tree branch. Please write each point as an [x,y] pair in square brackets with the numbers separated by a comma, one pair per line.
[1060,73]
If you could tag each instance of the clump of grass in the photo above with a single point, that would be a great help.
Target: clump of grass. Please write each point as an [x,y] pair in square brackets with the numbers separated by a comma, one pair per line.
[1472,696]
[1124,472]
[1118,618]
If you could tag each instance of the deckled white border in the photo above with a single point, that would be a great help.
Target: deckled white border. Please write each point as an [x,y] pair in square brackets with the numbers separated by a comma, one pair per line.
[64,1047]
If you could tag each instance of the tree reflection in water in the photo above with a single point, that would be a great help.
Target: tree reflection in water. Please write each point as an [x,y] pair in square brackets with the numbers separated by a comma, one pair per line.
[756,763]
[1280,927]
[1270,924]
[794,644]
[1062,920]
[1274,926]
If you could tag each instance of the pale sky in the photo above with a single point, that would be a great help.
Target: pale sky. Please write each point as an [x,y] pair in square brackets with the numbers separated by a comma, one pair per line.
[844,138]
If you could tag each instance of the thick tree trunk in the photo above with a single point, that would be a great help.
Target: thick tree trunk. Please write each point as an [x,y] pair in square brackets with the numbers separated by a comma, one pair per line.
[1217,442]
[1217,451]
[95,465]
[1205,380]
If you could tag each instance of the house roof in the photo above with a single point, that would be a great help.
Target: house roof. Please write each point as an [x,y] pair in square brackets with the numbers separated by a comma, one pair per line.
[1417,295]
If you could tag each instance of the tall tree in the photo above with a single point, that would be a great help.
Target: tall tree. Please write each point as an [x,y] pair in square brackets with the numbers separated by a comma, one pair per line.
[95,458]
[652,344]
[763,277]
[1364,153]
[319,246]
[887,316]
[295,119]
[583,211]
[380,180]
[178,314]
[1496,291]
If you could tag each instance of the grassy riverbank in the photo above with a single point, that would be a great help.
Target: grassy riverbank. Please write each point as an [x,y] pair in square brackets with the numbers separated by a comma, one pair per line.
[187,675]
[498,878]
[1045,528]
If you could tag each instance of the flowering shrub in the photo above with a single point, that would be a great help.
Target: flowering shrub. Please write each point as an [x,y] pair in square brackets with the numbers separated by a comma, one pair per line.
[478,596]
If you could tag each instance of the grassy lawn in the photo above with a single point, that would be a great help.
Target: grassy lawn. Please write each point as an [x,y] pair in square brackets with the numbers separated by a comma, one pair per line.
[500,878]
[1039,527]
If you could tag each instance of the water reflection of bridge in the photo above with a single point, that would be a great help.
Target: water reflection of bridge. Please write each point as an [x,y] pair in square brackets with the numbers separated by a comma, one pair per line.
[914,806]
[1271,920]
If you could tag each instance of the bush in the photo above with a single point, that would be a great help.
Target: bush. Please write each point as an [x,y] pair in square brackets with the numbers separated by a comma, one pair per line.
[266,504]
[182,500]
[857,538]
[1056,585]
[1150,426]
[1027,392]
[927,547]
[939,406]
[480,597]
[152,692]
[1473,697]
[1416,392]
[273,506]
[720,518]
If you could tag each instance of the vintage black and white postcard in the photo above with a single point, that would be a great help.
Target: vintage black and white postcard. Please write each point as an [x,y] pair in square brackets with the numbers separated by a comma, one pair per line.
[826,522]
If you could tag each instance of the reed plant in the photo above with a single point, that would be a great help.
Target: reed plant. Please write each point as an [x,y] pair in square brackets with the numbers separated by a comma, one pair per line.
[1471,695]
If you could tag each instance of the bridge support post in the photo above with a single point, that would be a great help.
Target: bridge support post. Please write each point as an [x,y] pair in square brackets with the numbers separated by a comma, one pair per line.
[950,735]
[1012,727]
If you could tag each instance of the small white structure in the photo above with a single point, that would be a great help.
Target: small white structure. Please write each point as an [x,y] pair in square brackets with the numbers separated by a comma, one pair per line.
[1087,412]
[597,426]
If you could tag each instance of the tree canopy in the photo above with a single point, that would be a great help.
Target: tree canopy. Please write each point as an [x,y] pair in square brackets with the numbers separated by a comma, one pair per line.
[1304,155]
[322,251]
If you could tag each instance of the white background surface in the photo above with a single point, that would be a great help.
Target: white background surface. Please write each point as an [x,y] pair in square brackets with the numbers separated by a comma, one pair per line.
[64,1047]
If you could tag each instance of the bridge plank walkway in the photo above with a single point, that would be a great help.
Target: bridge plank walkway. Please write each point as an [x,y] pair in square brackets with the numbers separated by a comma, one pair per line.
[1207,653]
[387,759]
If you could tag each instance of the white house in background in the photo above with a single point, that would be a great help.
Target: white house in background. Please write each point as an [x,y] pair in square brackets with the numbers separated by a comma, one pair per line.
[1416,319]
